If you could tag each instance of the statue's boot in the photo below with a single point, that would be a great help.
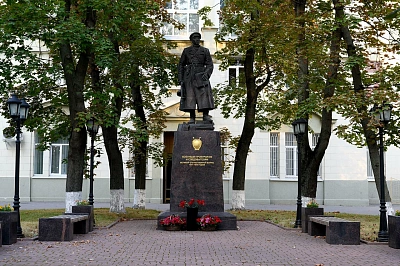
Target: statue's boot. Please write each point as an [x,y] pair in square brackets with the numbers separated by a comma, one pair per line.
[192,117]
[207,117]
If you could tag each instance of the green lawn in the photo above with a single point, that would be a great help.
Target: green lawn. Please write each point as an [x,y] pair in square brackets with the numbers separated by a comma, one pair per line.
[30,218]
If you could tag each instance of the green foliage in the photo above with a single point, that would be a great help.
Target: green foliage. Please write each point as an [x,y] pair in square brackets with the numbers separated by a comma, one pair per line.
[124,38]
[6,208]
[203,13]
[312,204]
[271,29]
[257,26]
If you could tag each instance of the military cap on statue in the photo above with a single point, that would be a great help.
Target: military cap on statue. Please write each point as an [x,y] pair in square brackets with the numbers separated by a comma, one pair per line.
[193,34]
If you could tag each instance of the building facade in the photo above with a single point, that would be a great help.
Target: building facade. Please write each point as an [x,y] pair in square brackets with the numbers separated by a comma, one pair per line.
[345,176]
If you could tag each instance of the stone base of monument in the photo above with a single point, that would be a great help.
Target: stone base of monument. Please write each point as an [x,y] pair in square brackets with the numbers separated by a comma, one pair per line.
[229,221]
[197,173]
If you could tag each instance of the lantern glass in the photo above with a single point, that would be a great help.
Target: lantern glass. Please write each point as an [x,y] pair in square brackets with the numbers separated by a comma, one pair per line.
[302,128]
[23,110]
[299,126]
[92,126]
[386,113]
[13,106]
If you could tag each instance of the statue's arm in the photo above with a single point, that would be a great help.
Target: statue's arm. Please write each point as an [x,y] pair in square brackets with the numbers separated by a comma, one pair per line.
[208,63]
[181,66]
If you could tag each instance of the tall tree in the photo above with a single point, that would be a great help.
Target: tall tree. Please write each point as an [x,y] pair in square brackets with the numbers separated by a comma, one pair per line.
[129,50]
[51,24]
[371,47]
[257,32]
[312,36]
[87,37]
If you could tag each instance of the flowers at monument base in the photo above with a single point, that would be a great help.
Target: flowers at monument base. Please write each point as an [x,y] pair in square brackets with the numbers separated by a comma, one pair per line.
[172,220]
[6,208]
[81,202]
[207,220]
[397,213]
[192,203]
[312,204]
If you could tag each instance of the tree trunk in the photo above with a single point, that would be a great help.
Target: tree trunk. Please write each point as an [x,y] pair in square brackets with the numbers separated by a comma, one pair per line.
[140,150]
[110,135]
[75,78]
[116,165]
[314,161]
[307,170]
[239,171]
[370,134]
[311,159]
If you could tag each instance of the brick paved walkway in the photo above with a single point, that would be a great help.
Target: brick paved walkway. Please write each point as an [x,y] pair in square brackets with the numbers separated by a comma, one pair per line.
[139,243]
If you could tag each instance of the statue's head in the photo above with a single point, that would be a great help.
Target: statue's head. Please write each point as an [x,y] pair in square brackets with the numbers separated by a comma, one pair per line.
[195,34]
[195,38]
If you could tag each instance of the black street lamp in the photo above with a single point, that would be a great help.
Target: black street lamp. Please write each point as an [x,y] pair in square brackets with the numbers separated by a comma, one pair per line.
[18,110]
[93,128]
[384,117]
[299,128]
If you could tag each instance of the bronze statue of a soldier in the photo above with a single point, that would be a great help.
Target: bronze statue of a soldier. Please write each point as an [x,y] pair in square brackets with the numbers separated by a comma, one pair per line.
[194,71]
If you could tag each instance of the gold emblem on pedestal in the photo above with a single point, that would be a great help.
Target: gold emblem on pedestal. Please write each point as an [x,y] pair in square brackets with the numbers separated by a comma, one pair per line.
[196,143]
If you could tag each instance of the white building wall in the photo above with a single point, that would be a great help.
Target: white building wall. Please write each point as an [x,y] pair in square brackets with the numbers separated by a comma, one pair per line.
[343,181]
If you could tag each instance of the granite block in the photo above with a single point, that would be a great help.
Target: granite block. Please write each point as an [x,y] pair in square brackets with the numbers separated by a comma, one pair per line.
[394,231]
[9,227]
[305,213]
[343,233]
[87,209]
[197,170]
[55,229]
[1,238]
[337,231]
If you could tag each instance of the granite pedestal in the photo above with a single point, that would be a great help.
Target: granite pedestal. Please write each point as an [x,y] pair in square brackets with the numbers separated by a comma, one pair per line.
[197,173]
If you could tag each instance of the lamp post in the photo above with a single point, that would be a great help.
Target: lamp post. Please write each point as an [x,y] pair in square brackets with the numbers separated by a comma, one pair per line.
[18,110]
[93,128]
[299,128]
[384,118]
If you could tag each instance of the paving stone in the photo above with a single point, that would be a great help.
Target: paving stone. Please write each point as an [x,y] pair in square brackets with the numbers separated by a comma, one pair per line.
[139,243]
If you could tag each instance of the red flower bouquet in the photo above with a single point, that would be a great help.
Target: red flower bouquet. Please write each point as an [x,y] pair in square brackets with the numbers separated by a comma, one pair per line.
[192,203]
[208,220]
[172,220]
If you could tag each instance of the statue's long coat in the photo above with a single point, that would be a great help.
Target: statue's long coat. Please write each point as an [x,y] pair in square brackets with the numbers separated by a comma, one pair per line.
[195,60]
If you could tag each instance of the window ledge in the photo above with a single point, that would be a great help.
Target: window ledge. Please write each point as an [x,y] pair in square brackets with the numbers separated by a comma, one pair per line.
[39,176]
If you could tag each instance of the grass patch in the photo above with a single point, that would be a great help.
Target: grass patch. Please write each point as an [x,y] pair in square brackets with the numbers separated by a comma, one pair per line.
[369,224]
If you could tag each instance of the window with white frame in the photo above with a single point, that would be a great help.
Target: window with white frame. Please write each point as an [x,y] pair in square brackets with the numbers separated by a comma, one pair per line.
[236,75]
[370,172]
[38,158]
[291,154]
[288,154]
[58,157]
[58,152]
[185,12]
[274,154]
